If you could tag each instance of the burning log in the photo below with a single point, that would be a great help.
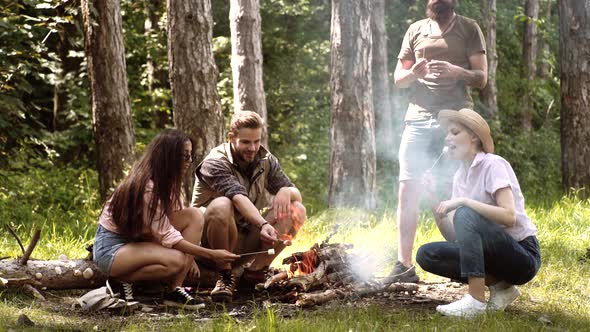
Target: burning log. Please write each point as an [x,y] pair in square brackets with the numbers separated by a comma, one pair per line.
[277,277]
[306,281]
[327,269]
[311,299]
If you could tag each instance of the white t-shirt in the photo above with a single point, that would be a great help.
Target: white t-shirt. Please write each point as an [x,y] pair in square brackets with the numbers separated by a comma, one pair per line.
[487,174]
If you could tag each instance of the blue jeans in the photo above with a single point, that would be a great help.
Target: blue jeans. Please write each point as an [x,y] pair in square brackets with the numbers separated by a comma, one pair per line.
[482,248]
[106,246]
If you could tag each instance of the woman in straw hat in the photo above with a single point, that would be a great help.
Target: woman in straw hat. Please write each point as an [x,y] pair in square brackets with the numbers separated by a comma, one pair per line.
[490,239]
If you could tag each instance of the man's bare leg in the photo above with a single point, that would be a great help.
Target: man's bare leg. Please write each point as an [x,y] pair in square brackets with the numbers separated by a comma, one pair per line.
[221,229]
[407,219]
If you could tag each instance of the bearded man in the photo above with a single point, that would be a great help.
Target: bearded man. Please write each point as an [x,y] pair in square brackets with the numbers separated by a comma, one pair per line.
[440,58]
[249,204]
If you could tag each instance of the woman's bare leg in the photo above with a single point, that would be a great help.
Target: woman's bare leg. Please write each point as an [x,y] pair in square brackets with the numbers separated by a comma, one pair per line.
[189,222]
[138,261]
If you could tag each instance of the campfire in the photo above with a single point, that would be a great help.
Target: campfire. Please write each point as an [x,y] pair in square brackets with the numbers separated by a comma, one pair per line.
[323,273]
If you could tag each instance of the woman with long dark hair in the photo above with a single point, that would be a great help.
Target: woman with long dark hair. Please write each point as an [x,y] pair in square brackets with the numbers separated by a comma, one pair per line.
[145,233]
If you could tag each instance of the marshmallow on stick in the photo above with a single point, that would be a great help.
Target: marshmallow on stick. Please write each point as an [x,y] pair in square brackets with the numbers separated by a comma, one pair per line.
[270,252]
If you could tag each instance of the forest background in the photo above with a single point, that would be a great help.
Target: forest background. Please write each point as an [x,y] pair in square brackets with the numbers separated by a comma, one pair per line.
[48,157]
[46,118]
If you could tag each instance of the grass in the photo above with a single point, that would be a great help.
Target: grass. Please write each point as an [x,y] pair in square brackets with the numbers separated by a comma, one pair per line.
[64,206]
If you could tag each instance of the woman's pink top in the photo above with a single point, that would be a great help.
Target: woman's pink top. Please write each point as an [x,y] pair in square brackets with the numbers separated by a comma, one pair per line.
[489,173]
[157,230]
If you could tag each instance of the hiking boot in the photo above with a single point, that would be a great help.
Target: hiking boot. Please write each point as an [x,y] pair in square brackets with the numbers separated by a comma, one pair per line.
[501,298]
[466,307]
[400,273]
[122,290]
[179,298]
[224,288]
[258,276]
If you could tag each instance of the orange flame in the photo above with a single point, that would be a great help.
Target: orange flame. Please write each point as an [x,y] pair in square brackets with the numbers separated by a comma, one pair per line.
[306,265]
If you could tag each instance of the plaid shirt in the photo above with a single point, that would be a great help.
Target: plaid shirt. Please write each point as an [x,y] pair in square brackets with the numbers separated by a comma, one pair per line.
[218,174]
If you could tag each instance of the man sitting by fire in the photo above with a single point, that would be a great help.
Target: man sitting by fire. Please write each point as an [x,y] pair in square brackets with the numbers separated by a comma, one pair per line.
[233,187]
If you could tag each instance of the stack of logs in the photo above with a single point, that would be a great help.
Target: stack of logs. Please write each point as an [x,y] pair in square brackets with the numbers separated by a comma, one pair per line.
[324,273]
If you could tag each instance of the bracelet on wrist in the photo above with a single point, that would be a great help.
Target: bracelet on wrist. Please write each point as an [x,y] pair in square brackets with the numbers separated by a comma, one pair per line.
[262,225]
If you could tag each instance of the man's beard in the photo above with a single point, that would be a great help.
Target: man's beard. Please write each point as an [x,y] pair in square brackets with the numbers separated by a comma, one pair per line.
[440,11]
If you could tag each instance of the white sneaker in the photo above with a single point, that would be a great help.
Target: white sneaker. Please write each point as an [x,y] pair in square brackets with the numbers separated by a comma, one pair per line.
[501,298]
[465,307]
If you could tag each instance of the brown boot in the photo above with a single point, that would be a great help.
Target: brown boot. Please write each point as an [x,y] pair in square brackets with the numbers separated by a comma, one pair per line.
[224,288]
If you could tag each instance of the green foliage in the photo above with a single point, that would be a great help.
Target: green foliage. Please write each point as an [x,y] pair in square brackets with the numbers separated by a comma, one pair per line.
[63,203]
[296,46]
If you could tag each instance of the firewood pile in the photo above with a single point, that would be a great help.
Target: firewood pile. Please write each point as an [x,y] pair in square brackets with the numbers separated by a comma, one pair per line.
[323,273]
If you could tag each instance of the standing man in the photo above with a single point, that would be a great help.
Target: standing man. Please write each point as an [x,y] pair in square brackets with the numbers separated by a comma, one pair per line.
[440,58]
[233,187]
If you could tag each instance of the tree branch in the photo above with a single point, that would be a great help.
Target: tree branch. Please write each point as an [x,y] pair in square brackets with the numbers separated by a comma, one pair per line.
[20,243]
[30,248]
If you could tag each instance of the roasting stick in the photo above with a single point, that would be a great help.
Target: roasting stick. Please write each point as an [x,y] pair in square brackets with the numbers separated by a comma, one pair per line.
[444,150]
[270,252]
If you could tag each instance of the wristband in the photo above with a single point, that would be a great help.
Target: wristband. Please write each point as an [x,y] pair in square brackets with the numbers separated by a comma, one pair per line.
[262,225]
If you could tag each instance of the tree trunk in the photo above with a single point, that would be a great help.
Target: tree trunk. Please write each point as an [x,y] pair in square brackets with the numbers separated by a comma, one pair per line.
[113,124]
[529,58]
[542,45]
[193,77]
[246,59]
[380,72]
[352,133]
[489,94]
[156,77]
[574,24]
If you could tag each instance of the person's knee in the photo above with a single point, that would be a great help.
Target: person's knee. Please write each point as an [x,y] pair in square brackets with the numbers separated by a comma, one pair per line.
[299,213]
[175,262]
[425,257]
[196,217]
[219,213]
[465,218]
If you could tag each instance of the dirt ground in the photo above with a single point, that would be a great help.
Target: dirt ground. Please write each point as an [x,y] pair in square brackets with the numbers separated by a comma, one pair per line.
[245,303]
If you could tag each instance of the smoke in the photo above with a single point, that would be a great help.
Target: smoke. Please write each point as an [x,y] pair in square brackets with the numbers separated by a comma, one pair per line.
[373,238]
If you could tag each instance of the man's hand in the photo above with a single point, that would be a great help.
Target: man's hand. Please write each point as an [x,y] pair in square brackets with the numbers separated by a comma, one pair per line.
[420,68]
[445,207]
[443,69]
[222,256]
[269,234]
[281,204]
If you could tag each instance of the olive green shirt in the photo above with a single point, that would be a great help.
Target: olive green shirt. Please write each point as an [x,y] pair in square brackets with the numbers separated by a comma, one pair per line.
[430,94]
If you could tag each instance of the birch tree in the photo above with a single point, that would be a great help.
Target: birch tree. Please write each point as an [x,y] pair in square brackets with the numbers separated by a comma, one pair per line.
[352,133]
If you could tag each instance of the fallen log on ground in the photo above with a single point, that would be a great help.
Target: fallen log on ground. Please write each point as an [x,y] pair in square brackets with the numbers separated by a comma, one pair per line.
[70,274]
[52,274]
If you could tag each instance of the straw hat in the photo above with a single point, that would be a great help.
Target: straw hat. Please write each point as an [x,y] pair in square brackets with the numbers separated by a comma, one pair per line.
[471,120]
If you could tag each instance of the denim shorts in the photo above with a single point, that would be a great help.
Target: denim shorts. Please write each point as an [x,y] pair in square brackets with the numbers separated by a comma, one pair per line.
[106,245]
[421,145]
